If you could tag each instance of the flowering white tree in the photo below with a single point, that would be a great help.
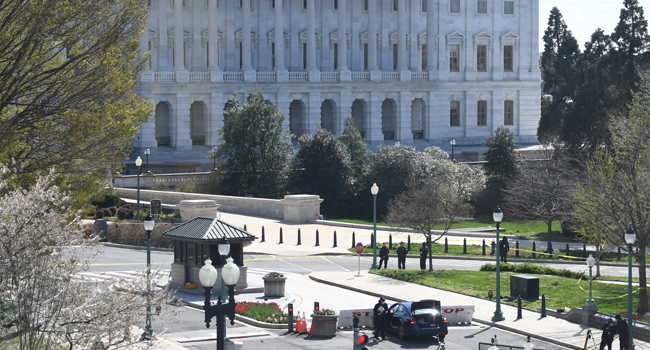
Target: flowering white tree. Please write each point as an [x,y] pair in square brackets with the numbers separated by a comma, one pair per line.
[440,198]
[45,303]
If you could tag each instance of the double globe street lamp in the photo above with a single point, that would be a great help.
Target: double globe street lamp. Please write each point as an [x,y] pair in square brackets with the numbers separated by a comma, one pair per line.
[149,224]
[630,237]
[229,275]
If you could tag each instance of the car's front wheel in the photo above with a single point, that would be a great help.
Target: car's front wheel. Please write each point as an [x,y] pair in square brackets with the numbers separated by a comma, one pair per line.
[401,333]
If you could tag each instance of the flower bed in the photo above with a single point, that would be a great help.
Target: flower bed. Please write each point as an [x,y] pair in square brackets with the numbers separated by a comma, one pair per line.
[636,317]
[325,312]
[263,312]
[273,275]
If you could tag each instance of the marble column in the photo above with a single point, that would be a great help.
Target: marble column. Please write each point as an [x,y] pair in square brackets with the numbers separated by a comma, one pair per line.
[282,74]
[311,35]
[401,35]
[213,44]
[342,36]
[246,35]
[178,35]
[372,35]
[431,33]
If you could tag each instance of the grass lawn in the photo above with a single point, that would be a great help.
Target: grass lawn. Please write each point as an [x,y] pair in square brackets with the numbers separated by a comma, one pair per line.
[532,230]
[474,250]
[560,291]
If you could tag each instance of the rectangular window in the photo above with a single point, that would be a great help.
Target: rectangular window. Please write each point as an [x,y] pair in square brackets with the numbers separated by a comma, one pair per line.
[424,5]
[394,56]
[481,58]
[272,4]
[184,3]
[207,54]
[336,4]
[150,56]
[454,113]
[508,112]
[273,55]
[481,113]
[481,7]
[365,56]
[184,52]
[507,58]
[241,54]
[336,56]
[424,56]
[304,4]
[304,56]
[509,7]
[365,5]
[454,58]
[454,6]
[395,8]
[149,3]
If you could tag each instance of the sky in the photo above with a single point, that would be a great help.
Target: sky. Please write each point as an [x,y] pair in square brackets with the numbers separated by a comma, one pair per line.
[583,17]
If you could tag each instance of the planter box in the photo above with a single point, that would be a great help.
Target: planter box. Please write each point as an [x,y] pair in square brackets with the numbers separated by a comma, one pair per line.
[274,286]
[324,326]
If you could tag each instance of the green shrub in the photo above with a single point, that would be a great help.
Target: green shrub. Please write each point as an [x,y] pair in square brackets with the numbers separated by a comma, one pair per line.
[533,269]
[106,201]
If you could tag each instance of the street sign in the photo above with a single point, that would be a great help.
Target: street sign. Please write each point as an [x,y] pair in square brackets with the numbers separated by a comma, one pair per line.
[359,248]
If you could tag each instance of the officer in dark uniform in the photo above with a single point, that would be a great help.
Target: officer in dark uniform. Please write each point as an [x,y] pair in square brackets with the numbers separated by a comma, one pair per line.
[401,256]
[383,255]
[504,247]
[623,332]
[379,312]
[424,252]
[609,330]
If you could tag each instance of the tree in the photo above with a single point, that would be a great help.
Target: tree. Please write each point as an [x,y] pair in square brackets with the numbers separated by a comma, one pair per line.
[46,303]
[324,168]
[256,152]
[613,191]
[542,191]
[357,147]
[68,72]
[441,199]
[501,156]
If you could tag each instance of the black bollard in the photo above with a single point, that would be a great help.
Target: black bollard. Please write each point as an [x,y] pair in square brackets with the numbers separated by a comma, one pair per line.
[534,255]
[290,317]
[584,250]
[245,227]
[262,234]
[516,249]
[483,252]
[519,307]
[549,250]
[373,244]
[317,244]
[299,237]
[409,244]
[464,245]
[353,244]
[334,246]
[543,305]
[446,246]
[390,242]
[619,252]
[567,249]
[280,235]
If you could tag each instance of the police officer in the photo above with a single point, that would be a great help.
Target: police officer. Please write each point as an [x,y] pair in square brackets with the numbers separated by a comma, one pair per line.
[504,247]
[623,332]
[424,251]
[609,330]
[383,255]
[401,256]
[379,312]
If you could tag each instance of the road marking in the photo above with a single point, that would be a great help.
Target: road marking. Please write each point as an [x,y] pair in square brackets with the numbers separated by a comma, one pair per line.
[324,258]
[281,259]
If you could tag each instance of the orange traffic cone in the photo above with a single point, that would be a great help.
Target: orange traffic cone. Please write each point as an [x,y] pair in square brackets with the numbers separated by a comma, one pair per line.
[298,324]
[303,328]
[311,328]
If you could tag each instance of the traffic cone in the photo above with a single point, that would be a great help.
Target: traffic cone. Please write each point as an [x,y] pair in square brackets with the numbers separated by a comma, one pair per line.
[298,324]
[303,328]
[311,328]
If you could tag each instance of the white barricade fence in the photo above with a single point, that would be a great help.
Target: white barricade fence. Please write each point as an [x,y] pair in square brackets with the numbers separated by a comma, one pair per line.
[365,318]
[458,314]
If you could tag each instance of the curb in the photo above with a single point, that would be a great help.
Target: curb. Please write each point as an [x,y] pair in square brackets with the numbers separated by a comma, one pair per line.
[489,323]
[134,247]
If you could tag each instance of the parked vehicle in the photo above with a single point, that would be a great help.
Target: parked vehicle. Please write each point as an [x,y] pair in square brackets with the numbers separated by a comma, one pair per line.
[417,318]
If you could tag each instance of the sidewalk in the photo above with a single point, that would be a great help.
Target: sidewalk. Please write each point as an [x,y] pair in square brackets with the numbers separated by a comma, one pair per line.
[549,329]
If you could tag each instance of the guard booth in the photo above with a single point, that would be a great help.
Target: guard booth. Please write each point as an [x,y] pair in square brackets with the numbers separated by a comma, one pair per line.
[197,240]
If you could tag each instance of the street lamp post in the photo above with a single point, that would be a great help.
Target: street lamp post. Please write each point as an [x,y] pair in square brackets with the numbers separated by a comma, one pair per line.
[138,163]
[452,143]
[630,237]
[147,152]
[590,262]
[224,250]
[148,226]
[374,190]
[208,276]
[498,315]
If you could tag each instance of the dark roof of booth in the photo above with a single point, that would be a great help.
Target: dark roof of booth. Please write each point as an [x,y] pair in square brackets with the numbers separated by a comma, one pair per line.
[208,229]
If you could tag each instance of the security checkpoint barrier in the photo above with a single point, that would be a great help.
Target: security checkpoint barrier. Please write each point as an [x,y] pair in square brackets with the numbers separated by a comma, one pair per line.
[454,315]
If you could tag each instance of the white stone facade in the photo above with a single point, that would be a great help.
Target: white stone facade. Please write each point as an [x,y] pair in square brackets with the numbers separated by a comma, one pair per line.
[436,70]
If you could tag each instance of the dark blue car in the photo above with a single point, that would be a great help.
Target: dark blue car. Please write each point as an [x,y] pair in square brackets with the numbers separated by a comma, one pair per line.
[417,318]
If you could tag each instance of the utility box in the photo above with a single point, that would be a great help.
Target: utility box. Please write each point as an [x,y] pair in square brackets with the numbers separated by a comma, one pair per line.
[525,286]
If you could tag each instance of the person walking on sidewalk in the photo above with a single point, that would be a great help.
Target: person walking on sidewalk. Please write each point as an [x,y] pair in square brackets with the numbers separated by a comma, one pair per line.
[383,255]
[424,251]
[401,256]
[379,313]
[504,247]
[609,330]
[623,332]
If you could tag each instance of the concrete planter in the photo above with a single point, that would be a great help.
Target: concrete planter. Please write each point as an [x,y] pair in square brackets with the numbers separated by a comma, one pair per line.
[274,286]
[324,325]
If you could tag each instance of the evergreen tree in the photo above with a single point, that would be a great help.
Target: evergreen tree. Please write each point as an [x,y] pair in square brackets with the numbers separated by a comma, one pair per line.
[256,151]
[357,147]
[501,156]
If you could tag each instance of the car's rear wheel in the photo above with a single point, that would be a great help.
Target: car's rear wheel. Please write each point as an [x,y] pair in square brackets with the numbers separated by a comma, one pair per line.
[401,333]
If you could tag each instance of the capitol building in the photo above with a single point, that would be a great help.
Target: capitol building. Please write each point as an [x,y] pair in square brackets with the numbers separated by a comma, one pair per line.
[419,72]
